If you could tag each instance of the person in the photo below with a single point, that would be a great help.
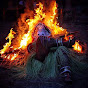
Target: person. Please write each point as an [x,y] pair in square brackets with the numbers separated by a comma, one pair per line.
[43,49]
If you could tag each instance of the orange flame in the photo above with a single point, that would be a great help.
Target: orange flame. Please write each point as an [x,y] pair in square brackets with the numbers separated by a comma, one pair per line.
[26,27]
[68,37]
[77,47]
[27,38]
[49,21]
[7,45]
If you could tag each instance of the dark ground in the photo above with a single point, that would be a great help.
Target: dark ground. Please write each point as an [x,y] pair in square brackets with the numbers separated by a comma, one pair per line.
[79,23]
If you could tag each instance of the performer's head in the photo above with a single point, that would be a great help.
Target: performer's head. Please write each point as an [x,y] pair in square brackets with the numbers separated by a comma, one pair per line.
[41,30]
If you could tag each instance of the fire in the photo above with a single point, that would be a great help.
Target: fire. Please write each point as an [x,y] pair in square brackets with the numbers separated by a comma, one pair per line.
[25,40]
[41,16]
[27,26]
[51,20]
[68,37]
[15,55]
[77,47]
[7,45]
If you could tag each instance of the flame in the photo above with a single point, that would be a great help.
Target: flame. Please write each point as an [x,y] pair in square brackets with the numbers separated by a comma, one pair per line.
[7,45]
[77,47]
[48,21]
[68,37]
[26,26]
[51,21]
[25,40]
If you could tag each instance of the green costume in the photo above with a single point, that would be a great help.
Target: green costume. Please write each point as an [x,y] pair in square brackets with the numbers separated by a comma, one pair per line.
[52,63]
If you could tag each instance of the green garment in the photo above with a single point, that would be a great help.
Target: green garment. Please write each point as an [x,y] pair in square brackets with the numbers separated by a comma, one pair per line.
[50,67]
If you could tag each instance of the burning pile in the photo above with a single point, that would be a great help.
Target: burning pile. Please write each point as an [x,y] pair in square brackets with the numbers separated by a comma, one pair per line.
[15,51]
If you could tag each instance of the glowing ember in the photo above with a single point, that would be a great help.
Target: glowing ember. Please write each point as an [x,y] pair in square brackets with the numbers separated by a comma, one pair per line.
[68,37]
[77,47]
[13,58]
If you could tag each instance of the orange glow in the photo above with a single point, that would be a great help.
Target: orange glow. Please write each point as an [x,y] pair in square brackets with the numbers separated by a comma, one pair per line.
[77,47]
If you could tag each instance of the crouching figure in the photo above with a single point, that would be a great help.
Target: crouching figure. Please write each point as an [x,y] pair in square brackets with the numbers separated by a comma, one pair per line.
[50,58]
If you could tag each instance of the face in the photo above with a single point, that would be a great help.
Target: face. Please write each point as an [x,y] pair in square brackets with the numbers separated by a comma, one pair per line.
[40,30]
